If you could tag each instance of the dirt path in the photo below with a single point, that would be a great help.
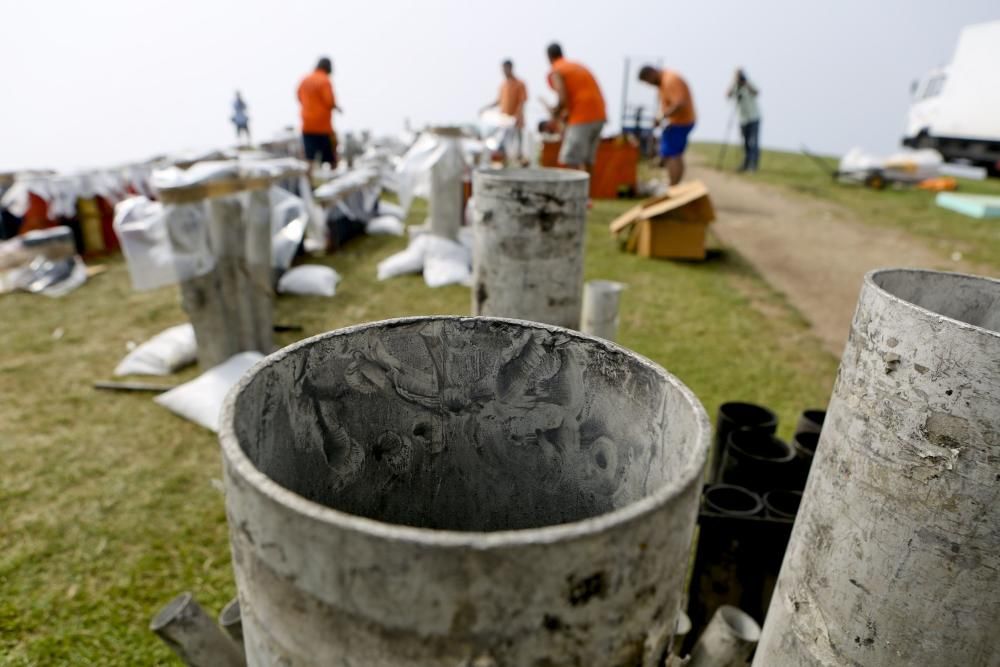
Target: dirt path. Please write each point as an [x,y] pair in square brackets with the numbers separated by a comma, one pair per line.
[815,253]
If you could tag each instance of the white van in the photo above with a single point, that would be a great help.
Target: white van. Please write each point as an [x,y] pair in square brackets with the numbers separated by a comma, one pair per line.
[956,108]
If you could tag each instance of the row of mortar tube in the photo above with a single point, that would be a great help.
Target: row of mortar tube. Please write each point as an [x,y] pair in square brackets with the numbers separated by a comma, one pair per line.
[746,451]
[195,638]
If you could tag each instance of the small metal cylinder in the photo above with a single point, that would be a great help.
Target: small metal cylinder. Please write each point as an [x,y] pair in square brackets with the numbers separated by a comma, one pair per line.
[601,299]
[728,640]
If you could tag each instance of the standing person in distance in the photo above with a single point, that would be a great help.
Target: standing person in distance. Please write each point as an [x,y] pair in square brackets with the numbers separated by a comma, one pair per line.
[318,104]
[745,94]
[677,109]
[240,118]
[510,101]
[580,107]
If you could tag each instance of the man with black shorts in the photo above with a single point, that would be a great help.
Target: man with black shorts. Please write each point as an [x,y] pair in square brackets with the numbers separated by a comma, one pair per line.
[318,104]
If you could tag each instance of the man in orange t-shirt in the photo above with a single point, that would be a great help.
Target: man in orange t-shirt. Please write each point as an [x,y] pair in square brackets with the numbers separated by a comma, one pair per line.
[677,108]
[580,106]
[318,104]
[510,100]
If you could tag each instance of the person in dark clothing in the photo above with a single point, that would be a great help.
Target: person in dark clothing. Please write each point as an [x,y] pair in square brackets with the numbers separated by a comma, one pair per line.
[240,118]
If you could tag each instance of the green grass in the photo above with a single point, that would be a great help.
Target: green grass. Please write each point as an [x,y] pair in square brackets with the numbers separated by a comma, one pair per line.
[110,505]
[909,209]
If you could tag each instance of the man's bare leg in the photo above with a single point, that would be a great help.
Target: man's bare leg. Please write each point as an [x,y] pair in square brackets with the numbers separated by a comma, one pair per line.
[675,169]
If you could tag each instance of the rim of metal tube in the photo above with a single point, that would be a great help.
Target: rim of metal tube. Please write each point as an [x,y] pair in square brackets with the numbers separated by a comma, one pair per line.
[533,175]
[689,476]
[870,282]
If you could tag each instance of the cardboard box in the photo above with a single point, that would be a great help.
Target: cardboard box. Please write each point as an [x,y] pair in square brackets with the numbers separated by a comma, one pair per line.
[671,226]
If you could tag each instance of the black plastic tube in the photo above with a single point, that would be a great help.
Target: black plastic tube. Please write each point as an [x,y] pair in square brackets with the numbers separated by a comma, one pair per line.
[738,416]
[782,503]
[810,421]
[804,445]
[732,500]
[758,461]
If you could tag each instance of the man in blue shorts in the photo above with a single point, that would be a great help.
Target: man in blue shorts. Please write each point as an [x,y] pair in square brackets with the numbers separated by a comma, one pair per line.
[677,107]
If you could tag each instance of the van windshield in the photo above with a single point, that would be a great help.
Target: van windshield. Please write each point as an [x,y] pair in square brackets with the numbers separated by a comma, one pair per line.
[934,86]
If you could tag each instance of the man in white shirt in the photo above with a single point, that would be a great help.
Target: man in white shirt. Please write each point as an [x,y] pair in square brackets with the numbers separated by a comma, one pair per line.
[745,95]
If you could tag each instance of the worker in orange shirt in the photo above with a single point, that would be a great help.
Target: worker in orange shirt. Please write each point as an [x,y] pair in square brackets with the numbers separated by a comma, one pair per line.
[511,99]
[580,106]
[318,104]
[677,108]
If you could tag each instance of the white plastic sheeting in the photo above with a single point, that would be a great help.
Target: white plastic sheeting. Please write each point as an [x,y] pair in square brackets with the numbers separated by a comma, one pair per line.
[289,222]
[922,163]
[22,257]
[166,352]
[414,168]
[51,277]
[200,400]
[61,191]
[317,235]
[142,232]
[362,178]
[159,254]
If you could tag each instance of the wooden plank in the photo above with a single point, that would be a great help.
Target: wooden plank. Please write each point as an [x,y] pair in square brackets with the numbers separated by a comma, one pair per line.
[627,218]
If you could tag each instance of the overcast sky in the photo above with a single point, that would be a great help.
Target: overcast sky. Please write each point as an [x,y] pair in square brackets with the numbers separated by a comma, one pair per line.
[106,81]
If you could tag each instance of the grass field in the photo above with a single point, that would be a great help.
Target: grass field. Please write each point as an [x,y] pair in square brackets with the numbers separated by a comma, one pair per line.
[110,505]
[910,209]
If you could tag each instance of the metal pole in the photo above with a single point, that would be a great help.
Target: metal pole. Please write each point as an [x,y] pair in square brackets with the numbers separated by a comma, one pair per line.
[725,137]
[625,82]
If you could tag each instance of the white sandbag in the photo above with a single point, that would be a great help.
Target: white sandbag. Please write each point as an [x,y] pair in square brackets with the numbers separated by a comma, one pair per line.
[166,352]
[200,400]
[387,225]
[446,263]
[389,208]
[313,279]
[410,260]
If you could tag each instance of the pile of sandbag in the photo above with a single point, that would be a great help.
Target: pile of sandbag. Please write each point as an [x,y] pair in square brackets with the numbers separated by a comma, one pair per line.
[440,260]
